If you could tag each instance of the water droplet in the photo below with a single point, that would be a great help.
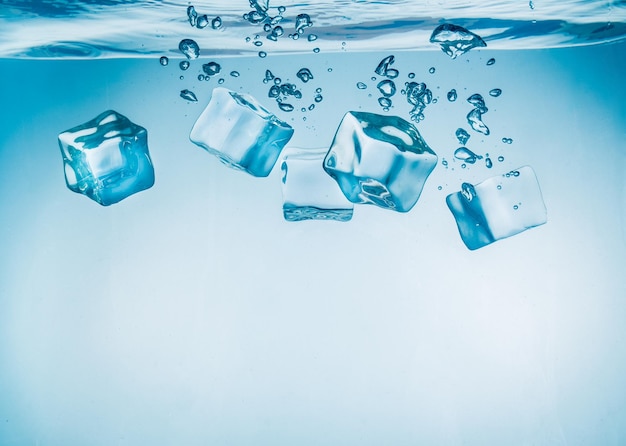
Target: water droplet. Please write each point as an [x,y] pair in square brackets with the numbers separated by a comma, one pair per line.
[316,50]
[500,158]
[285,107]
[495,92]
[474,119]
[465,154]
[491,61]
[387,88]
[452,95]
[361,86]
[507,140]
[164,60]
[216,23]
[262,54]
[311,37]
[462,136]
[211,68]
[431,70]
[189,95]
[189,48]
[488,163]
[202,22]
[455,40]
[234,73]
[468,191]
[304,74]
[384,102]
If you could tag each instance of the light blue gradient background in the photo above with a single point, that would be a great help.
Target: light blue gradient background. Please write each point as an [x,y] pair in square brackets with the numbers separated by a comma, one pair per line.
[192,314]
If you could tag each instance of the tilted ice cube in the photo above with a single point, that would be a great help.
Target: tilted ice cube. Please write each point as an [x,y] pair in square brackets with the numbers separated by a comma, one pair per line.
[240,132]
[308,192]
[107,158]
[497,208]
[455,40]
[380,160]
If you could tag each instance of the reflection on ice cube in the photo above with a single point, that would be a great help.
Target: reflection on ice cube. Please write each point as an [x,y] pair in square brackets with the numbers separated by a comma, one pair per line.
[241,132]
[107,158]
[379,160]
[497,208]
[308,192]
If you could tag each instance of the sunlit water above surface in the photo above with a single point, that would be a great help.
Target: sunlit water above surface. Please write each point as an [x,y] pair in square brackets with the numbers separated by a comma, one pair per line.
[193,313]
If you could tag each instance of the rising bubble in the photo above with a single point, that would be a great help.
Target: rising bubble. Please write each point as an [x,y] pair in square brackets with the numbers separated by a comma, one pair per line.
[491,61]
[387,88]
[452,95]
[304,74]
[465,154]
[495,92]
[455,40]
[474,119]
[189,48]
[361,86]
[462,136]
[164,60]
[189,95]
[216,23]
[184,64]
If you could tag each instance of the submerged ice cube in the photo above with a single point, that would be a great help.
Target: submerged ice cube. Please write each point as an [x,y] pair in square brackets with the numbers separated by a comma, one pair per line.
[455,40]
[308,192]
[498,208]
[107,158]
[379,160]
[241,132]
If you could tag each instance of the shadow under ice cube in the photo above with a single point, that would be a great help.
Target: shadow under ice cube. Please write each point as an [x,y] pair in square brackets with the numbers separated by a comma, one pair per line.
[498,208]
[308,192]
[107,158]
[241,132]
[379,160]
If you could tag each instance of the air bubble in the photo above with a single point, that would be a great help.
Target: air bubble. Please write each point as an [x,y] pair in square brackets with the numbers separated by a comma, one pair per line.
[491,61]
[201,77]
[220,81]
[361,86]
[318,98]
[384,102]
[495,92]
[189,95]
[311,37]
[431,70]
[387,88]
[164,61]
[316,50]
[507,140]
[452,95]
[189,48]
[285,107]
[500,159]
[234,73]
[262,54]
[216,23]
[202,22]
[411,75]
[304,74]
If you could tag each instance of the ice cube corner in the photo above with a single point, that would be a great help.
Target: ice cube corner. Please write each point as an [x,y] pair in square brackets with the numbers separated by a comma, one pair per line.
[380,160]
[107,158]
[241,132]
[497,208]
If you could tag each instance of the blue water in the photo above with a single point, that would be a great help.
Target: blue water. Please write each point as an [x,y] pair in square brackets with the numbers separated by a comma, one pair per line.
[193,313]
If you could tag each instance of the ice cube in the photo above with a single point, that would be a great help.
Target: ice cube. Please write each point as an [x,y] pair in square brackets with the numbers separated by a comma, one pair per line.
[107,158]
[241,132]
[380,160]
[498,208]
[308,192]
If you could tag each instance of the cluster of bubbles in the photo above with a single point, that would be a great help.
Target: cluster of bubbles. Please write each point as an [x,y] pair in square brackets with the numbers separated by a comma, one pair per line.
[285,91]
[202,21]
[260,15]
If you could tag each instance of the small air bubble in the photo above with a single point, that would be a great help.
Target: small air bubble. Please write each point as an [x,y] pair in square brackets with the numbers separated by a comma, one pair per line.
[495,92]
[361,86]
[411,75]
[216,23]
[220,81]
[312,37]
[444,163]
[234,73]
[499,187]
[318,90]
[488,163]
[318,98]
[316,50]
[181,77]
[507,140]
[285,107]
[384,102]
[189,95]
[312,106]
[258,43]
[281,9]
[262,54]
[164,60]
[439,187]
[303,109]
[452,95]
[330,70]
[500,159]
[202,22]
[516,207]
[277,81]
[491,61]
[201,77]
[431,70]
[184,65]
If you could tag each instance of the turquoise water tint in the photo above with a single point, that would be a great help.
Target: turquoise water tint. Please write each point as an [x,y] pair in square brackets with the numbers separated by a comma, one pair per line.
[194,313]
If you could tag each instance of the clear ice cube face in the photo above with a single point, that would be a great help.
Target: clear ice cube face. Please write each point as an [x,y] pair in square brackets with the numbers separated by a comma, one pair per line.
[308,192]
[498,208]
[107,158]
[380,160]
[241,132]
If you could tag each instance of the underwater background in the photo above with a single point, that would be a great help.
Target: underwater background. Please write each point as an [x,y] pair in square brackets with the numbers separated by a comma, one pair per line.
[193,313]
